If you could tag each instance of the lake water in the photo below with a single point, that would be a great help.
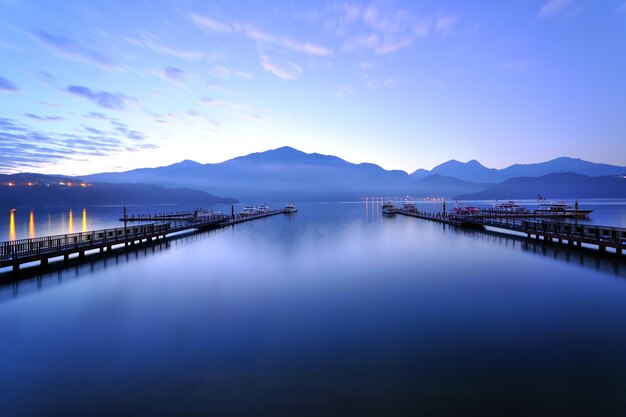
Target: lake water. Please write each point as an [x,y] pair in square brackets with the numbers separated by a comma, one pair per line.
[335,310]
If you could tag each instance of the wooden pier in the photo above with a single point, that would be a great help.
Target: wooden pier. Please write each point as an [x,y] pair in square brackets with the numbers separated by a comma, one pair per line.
[574,234]
[15,253]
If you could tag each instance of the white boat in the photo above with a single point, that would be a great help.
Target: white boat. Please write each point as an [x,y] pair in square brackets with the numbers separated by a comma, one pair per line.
[508,207]
[262,209]
[291,208]
[388,208]
[409,206]
[248,211]
[562,209]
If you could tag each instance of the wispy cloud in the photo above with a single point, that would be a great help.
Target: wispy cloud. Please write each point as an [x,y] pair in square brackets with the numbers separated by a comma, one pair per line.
[149,41]
[211,24]
[387,30]
[70,48]
[445,24]
[344,91]
[210,101]
[174,75]
[251,32]
[223,72]
[286,42]
[112,101]
[23,147]
[281,68]
[554,7]
[8,85]
[43,118]
[220,72]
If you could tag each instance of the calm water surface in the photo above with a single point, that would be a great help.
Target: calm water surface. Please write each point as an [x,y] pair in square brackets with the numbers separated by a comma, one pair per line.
[335,310]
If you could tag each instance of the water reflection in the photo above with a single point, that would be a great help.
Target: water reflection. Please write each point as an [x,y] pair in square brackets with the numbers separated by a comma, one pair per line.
[12,232]
[35,279]
[372,310]
[70,228]
[31,225]
[587,258]
[372,210]
[84,222]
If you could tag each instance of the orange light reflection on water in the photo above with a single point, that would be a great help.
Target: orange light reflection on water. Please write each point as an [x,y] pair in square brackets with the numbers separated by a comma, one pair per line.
[12,233]
[70,227]
[31,225]
[84,223]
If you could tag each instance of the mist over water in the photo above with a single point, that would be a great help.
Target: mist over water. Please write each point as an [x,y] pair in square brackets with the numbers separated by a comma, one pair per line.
[334,310]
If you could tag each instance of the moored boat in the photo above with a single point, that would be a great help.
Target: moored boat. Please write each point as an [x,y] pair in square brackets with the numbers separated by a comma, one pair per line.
[263,209]
[409,206]
[462,210]
[388,208]
[562,209]
[248,211]
[291,208]
[506,208]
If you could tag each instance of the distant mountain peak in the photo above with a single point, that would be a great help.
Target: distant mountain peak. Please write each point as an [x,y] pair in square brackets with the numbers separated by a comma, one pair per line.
[188,162]
[282,152]
[474,163]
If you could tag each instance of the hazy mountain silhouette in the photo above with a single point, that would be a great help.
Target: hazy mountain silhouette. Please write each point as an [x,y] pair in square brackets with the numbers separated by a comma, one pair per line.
[476,172]
[553,186]
[289,174]
[469,171]
[45,190]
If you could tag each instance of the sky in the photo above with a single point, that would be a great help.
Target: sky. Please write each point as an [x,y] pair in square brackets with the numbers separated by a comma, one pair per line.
[93,86]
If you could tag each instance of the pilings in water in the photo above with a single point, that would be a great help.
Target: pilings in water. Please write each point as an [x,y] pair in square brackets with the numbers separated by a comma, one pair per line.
[16,253]
[602,237]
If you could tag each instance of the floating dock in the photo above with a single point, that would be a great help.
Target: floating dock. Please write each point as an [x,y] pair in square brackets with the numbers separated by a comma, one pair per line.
[602,237]
[15,253]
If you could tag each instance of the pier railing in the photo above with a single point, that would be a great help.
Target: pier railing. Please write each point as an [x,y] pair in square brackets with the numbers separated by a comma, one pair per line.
[607,234]
[602,236]
[16,252]
[58,243]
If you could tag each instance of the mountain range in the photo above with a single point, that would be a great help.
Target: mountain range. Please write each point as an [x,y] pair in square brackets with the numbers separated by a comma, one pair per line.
[286,174]
[553,186]
[476,172]
[289,174]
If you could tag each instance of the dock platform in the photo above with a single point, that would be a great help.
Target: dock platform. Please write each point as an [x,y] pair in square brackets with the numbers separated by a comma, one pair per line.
[601,237]
[15,253]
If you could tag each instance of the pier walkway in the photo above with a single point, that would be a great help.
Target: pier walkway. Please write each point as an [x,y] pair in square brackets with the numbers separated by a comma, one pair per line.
[15,253]
[574,234]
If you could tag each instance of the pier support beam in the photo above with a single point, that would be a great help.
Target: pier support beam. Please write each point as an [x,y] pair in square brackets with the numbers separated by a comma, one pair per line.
[618,251]
[44,262]
[81,254]
[16,267]
[602,248]
[66,258]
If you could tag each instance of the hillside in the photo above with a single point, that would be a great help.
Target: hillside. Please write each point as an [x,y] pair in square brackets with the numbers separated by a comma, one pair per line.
[566,185]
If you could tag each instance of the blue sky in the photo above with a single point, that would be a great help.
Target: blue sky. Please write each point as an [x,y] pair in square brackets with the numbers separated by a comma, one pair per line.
[109,85]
